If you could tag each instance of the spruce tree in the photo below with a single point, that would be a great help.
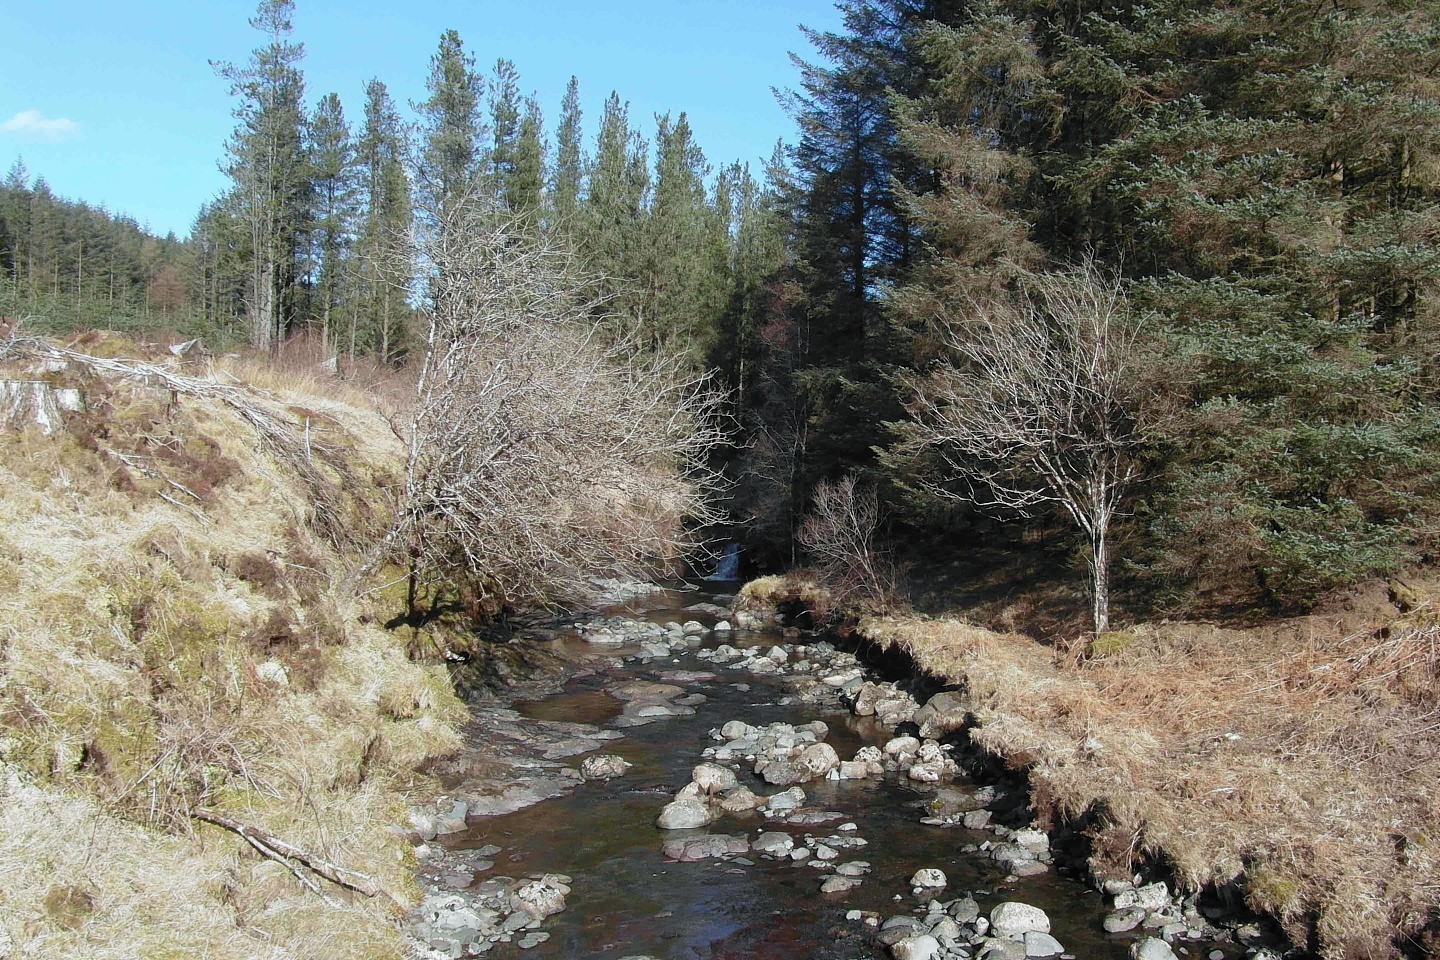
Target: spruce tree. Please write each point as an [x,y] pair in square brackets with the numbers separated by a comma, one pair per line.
[267,164]
[569,160]
[376,321]
[332,160]
[450,128]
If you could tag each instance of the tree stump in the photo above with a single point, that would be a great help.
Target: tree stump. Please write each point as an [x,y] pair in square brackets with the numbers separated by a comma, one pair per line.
[30,403]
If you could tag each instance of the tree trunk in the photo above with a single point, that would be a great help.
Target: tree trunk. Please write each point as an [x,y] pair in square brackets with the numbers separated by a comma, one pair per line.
[26,403]
[1100,561]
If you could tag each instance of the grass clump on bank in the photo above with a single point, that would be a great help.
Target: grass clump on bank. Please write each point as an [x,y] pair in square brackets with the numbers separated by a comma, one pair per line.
[1300,760]
[174,639]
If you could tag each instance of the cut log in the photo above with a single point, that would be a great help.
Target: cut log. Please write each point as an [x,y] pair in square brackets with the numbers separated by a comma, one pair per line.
[30,403]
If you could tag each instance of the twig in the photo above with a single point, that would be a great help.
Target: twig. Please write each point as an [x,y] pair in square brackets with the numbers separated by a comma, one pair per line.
[274,847]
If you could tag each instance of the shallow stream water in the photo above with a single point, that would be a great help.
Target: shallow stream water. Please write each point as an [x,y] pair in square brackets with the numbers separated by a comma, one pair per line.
[629,899]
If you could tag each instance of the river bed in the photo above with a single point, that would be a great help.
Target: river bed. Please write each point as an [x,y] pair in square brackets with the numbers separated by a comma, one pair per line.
[628,899]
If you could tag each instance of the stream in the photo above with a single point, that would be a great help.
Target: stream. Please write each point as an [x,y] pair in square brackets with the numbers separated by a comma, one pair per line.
[627,898]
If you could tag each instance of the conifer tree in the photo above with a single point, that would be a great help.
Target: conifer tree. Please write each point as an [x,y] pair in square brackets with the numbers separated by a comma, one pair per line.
[332,160]
[569,160]
[524,191]
[267,164]
[377,318]
[450,128]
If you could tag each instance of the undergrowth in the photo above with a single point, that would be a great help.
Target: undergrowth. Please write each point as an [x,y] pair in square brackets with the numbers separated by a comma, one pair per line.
[173,637]
[1300,759]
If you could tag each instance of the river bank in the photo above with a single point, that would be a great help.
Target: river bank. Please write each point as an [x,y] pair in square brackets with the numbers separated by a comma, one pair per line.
[1287,767]
[704,784]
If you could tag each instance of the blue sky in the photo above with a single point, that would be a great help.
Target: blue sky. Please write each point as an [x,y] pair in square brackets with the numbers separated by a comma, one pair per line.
[116,103]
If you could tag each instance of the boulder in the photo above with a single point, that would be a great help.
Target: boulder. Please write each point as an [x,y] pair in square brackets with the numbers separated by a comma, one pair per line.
[922,947]
[819,759]
[713,778]
[604,766]
[539,898]
[929,878]
[942,714]
[773,842]
[839,884]
[738,800]
[1151,948]
[1014,919]
[684,815]
[1039,944]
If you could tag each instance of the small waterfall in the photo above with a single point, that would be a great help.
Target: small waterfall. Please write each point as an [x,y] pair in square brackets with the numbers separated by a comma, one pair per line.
[728,568]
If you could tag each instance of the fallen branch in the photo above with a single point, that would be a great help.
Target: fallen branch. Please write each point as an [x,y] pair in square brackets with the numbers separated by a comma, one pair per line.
[283,852]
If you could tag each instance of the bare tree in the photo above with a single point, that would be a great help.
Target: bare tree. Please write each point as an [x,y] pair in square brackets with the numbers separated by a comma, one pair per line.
[1039,407]
[839,535]
[545,446]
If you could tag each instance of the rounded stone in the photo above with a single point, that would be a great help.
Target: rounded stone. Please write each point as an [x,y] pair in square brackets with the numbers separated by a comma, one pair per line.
[929,878]
[684,815]
[1151,948]
[1015,919]
[713,778]
[923,947]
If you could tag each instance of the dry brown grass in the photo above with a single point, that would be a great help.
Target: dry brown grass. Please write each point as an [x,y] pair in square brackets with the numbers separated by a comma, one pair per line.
[140,631]
[1301,760]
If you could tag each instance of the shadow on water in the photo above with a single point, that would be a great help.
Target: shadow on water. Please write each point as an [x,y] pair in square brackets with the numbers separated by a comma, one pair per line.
[629,899]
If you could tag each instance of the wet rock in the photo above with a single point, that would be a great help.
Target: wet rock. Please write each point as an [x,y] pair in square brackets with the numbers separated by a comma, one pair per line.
[693,628]
[964,910]
[839,884]
[1039,944]
[1122,921]
[819,759]
[540,898]
[898,747]
[942,714]
[977,819]
[1151,897]
[922,947]
[928,878]
[1015,919]
[1151,948]
[605,766]
[999,949]
[785,800]
[773,842]
[854,868]
[704,848]
[684,815]
[532,939]
[713,778]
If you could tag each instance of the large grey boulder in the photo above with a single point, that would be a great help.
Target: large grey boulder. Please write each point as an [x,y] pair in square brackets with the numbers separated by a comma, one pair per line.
[684,815]
[942,714]
[713,778]
[1151,948]
[923,947]
[1014,919]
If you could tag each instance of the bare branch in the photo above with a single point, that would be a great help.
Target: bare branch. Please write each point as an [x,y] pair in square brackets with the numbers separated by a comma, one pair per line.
[1038,407]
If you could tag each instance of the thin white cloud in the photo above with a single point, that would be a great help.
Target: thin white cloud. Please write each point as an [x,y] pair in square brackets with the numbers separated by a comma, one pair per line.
[34,126]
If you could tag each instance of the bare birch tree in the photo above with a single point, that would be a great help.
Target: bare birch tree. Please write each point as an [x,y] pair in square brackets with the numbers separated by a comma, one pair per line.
[545,446]
[839,535]
[1038,408]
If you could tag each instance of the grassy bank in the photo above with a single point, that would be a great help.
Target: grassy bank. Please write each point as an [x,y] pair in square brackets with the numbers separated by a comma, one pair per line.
[1299,759]
[175,641]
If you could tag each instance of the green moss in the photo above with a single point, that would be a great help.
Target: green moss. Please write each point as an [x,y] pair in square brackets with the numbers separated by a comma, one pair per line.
[1269,889]
[1111,642]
